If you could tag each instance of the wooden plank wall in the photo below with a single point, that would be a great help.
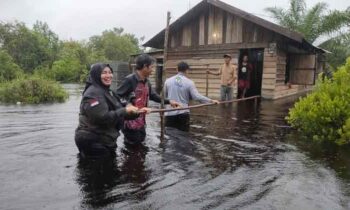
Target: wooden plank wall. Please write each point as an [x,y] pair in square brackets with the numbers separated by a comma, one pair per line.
[233,29]
[273,86]
[201,30]
[268,84]
[186,36]
[215,25]
[198,70]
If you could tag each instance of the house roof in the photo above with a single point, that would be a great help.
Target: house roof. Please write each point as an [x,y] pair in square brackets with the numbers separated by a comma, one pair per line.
[158,40]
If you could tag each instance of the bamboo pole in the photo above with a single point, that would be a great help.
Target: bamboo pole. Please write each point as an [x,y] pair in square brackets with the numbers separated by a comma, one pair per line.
[165,53]
[162,110]
[207,82]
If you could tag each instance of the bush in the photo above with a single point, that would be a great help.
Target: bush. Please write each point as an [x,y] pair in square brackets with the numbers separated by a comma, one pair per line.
[324,115]
[64,70]
[32,90]
[8,69]
[67,70]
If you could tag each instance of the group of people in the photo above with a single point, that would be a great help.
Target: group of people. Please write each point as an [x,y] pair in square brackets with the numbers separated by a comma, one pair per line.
[105,112]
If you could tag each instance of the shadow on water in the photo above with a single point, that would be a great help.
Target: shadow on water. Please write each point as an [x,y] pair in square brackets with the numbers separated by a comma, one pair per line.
[236,156]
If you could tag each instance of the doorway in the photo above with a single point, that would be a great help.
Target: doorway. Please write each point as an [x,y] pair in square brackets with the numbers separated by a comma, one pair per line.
[256,59]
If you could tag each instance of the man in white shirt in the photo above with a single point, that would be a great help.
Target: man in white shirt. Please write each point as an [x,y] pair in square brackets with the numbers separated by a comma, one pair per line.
[181,89]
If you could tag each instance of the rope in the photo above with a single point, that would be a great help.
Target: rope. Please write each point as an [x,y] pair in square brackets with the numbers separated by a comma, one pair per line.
[202,105]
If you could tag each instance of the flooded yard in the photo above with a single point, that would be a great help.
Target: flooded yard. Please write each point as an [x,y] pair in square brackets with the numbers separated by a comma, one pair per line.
[234,157]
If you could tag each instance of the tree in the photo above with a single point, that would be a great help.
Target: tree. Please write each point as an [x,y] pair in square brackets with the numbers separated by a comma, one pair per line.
[114,44]
[48,41]
[29,48]
[8,69]
[314,23]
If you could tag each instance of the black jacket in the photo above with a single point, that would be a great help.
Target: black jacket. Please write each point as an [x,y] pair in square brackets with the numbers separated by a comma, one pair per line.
[101,113]
[128,86]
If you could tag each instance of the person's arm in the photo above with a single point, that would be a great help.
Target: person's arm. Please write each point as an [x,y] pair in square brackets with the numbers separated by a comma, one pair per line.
[96,109]
[233,76]
[155,96]
[217,73]
[195,95]
[250,71]
[124,89]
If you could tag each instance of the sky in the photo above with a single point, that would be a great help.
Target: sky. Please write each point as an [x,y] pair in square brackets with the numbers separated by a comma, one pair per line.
[81,19]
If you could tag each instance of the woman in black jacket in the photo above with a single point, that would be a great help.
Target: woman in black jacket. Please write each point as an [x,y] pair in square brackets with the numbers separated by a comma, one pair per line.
[101,114]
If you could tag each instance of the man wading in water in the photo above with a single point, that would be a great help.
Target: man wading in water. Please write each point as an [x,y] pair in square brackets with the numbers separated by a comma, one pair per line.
[137,89]
[182,89]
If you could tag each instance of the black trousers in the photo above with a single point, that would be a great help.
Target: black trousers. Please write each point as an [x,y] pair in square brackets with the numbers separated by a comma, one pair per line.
[134,137]
[90,145]
[181,121]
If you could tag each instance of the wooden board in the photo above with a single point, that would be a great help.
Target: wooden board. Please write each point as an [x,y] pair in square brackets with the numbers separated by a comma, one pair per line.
[201,30]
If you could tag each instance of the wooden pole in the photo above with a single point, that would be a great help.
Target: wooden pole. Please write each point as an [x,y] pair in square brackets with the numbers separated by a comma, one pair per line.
[207,82]
[202,105]
[165,55]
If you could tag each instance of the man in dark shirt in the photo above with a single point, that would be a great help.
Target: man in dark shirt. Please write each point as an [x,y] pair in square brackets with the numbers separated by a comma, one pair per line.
[137,89]
[244,75]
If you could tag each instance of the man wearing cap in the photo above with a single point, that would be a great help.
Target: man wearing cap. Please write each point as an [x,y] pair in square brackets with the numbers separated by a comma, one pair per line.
[228,77]
[181,89]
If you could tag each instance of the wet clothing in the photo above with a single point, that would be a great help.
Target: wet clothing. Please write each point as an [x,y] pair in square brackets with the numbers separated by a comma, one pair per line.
[180,121]
[138,92]
[182,90]
[244,74]
[226,92]
[100,119]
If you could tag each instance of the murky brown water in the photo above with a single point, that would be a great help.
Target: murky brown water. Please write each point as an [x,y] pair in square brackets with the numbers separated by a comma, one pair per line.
[234,157]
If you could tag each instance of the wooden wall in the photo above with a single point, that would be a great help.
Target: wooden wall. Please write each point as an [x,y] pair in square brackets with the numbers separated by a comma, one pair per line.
[274,71]
[215,27]
[200,60]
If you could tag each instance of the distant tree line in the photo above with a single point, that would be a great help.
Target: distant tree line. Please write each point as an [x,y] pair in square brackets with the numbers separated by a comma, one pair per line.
[39,51]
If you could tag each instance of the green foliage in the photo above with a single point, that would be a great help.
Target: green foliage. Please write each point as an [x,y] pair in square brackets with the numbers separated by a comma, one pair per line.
[40,51]
[324,114]
[340,48]
[29,48]
[317,23]
[32,90]
[312,23]
[115,45]
[67,70]
[8,69]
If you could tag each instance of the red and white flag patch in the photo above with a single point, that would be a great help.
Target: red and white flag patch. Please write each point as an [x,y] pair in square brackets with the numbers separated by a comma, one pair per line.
[94,102]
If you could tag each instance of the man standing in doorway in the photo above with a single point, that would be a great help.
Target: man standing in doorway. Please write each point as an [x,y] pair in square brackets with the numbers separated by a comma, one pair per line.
[182,89]
[228,77]
[244,76]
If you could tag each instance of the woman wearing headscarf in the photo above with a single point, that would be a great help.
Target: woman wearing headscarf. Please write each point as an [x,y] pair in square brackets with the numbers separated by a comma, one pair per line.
[101,114]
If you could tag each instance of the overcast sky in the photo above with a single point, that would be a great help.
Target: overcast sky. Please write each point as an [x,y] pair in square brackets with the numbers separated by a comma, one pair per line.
[80,19]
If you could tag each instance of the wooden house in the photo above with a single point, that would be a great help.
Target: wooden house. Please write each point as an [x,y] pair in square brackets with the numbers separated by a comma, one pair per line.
[284,62]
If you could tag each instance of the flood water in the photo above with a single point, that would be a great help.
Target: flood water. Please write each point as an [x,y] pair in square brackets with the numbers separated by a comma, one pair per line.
[234,157]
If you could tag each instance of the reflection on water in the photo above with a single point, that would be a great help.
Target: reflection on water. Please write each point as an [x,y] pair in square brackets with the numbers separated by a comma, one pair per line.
[236,156]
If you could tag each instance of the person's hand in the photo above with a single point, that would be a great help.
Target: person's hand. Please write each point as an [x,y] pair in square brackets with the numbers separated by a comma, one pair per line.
[130,109]
[145,110]
[175,104]
[215,101]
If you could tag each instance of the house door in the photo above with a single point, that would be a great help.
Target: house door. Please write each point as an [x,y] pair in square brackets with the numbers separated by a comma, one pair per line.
[256,59]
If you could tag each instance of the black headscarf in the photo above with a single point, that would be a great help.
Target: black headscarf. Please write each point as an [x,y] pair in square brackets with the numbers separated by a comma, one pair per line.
[95,76]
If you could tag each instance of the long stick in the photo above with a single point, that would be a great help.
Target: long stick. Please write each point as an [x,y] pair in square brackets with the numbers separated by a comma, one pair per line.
[207,82]
[162,124]
[201,105]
